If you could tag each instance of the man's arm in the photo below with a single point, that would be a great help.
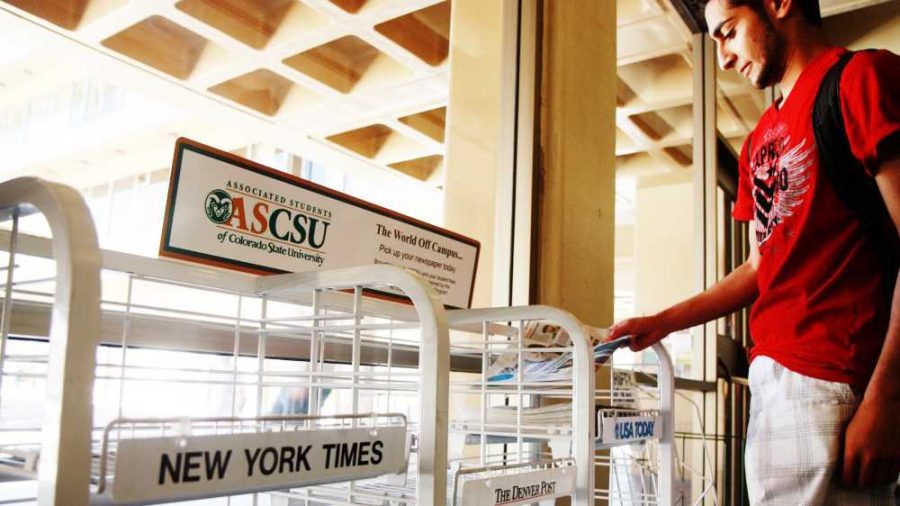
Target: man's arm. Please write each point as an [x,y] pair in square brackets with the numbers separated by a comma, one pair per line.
[733,292]
[872,440]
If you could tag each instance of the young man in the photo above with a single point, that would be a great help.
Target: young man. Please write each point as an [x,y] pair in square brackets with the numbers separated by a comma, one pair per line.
[825,370]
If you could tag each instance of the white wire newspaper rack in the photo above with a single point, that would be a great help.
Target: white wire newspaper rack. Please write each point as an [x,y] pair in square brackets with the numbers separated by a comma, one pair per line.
[634,451]
[155,370]
[636,438]
[178,362]
[509,433]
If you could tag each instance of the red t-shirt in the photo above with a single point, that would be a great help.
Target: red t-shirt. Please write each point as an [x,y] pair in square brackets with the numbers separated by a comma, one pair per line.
[822,309]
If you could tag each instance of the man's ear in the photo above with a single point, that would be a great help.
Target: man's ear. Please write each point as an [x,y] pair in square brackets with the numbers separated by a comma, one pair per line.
[779,9]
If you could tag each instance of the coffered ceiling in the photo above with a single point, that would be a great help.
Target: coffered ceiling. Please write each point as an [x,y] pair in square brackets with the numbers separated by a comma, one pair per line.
[358,83]
[362,84]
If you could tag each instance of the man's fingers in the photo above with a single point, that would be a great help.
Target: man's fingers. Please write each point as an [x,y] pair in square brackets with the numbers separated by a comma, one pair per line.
[639,342]
[615,332]
[625,328]
[636,343]
[850,469]
[867,470]
[621,329]
[644,330]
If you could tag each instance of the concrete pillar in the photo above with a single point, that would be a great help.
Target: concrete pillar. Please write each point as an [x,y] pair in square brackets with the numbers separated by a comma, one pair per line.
[577,187]
[577,182]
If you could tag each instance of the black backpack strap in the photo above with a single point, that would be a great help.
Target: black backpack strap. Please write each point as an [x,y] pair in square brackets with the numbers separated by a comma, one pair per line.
[856,189]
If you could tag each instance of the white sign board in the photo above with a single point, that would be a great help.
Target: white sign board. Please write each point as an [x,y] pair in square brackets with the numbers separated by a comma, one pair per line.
[164,468]
[628,428]
[519,488]
[230,212]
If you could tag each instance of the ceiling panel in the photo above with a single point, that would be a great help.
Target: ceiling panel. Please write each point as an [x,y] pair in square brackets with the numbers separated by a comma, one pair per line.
[318,72]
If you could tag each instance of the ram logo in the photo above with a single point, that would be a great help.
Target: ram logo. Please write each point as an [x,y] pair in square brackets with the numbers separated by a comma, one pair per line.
[218,206]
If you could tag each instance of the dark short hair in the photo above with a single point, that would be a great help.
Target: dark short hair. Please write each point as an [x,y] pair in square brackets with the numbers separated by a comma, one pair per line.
[808,8]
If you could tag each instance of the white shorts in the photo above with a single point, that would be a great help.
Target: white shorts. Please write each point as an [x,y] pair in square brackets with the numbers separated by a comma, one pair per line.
[794,440]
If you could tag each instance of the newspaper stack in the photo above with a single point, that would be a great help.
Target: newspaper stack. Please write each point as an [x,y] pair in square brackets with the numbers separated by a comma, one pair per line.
[543,366]
[550,416]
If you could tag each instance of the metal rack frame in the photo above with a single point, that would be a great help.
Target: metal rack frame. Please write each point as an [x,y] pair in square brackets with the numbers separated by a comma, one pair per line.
[617,401]
[64,471]
[338,327]
[74,329]
[507,324]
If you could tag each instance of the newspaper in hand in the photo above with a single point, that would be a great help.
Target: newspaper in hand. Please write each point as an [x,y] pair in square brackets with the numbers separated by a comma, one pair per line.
[542,366]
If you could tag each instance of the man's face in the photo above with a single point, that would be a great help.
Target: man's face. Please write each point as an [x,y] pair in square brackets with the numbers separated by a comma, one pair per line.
[746,41]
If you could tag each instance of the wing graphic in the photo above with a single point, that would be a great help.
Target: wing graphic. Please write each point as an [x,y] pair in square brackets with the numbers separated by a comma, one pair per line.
[792,180]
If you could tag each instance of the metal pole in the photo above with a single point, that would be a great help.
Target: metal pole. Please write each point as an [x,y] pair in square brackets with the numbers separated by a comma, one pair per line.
[7,296]
[705,184]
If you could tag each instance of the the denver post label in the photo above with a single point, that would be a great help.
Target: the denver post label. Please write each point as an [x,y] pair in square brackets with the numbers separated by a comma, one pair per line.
[161,468]
[519,488]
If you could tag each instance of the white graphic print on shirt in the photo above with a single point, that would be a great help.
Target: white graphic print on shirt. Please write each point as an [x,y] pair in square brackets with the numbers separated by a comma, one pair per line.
[780,179]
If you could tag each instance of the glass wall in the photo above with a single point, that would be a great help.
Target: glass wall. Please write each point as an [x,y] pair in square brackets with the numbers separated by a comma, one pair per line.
[94,94]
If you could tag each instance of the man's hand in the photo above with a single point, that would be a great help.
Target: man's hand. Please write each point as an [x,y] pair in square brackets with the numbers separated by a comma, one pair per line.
[872,440]
[733,292]
[645,331]
[872,445]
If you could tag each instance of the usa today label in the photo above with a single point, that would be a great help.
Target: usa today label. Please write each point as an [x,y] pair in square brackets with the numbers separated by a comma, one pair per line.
[628,428]
[519,488]
[230,212]
[170,468]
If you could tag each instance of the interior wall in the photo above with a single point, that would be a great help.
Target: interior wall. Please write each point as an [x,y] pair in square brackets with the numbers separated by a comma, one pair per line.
[474,124]
[664,243]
